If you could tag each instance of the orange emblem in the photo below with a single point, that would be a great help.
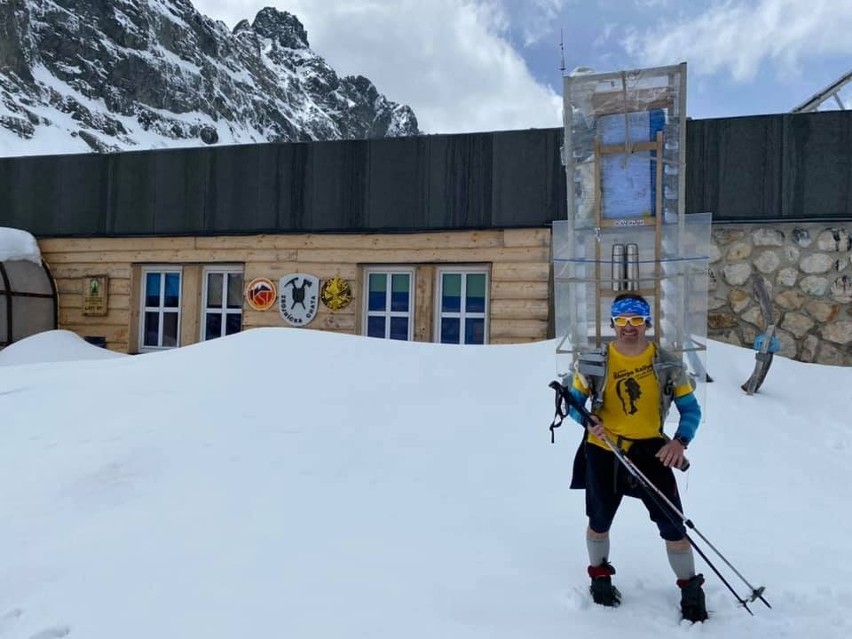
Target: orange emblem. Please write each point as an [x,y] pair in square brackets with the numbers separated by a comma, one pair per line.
[261,294]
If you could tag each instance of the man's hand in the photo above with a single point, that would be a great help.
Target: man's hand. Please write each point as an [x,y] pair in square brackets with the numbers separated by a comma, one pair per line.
[596,428]
[671,454]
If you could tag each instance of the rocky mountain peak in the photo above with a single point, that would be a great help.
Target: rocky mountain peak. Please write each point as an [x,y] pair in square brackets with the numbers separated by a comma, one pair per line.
[106,75]
[282,27]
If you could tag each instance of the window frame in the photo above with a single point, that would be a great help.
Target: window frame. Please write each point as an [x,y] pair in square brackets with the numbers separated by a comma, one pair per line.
[388,314]
[162,270]
[462,314]
[224,311]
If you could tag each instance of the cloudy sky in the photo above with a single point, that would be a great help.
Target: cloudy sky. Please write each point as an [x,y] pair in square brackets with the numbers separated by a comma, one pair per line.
[481,65]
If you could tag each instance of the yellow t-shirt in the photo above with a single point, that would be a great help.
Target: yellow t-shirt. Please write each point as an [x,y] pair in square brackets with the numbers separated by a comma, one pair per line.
[631,398]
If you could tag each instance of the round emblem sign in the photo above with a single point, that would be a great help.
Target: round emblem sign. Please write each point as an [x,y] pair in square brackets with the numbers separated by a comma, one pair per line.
[298,298]
[261,294]
[336,293]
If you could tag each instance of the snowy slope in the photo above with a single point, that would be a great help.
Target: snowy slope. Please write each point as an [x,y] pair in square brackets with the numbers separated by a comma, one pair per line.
[292,483]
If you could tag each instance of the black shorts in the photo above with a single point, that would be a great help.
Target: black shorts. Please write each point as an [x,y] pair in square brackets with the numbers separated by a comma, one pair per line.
[607,481]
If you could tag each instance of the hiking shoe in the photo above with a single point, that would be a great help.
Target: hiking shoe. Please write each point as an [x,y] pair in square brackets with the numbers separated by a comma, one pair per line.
[603,592]
[692,605]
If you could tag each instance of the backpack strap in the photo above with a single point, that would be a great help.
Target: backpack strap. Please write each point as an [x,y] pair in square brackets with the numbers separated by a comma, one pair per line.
[671,372]
[561,409]
[592,363]
[591,367]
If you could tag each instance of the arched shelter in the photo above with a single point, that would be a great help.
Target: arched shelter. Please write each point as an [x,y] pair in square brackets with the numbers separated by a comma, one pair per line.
[28,303]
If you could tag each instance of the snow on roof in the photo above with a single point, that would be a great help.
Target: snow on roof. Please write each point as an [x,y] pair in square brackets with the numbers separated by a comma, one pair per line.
[16,244]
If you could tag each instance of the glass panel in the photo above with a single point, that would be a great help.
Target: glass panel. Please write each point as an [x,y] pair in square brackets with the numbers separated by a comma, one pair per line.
[233,323]
[152,328]
[474,330]
[213,326]
[475,294]
[26,277]
[152,289]
[377,292]
[451,292]
[214,290]
[172,298]
[376,327]
[235,290]
[399,328]
[450,330]
[170,329]
[400,284]
[30,315]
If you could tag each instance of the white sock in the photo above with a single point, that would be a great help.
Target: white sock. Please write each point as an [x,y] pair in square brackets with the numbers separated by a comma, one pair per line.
[598,549]
[682,562]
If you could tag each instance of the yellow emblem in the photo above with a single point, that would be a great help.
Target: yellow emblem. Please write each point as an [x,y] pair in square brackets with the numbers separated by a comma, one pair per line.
[336,293]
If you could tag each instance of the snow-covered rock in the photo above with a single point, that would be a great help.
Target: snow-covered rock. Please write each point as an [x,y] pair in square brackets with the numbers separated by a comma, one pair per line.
[53,346]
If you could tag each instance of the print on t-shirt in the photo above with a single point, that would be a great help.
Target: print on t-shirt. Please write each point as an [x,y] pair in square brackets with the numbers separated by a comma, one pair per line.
[628,392]
[628,387]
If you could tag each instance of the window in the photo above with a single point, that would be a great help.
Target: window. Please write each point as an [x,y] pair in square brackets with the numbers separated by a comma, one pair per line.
[389,303]
[222,308]
[160,321]
[462,311]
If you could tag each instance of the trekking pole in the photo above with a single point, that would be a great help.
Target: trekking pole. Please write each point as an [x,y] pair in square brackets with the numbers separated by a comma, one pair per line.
[656,495]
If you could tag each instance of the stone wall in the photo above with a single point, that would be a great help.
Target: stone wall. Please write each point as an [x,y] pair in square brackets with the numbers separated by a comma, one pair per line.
[808,271]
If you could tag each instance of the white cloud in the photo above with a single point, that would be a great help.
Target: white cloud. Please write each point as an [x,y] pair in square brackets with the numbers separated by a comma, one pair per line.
[651,4]
[448,59]
[605,35]
[539,19]
[741,37]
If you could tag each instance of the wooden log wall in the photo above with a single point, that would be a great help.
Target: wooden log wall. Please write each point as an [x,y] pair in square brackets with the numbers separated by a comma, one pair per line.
[519,261]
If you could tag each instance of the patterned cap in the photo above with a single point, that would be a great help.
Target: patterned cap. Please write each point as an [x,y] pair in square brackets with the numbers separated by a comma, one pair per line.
[630,306]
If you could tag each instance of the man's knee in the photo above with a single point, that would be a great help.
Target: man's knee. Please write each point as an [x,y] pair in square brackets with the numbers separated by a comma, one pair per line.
[678,545]
[591,533]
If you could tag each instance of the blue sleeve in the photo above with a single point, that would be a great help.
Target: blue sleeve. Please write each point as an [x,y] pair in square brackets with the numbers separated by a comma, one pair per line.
[581,398]
[690,416]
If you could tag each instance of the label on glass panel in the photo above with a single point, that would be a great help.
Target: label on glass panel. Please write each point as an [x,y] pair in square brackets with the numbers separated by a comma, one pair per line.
[298,298]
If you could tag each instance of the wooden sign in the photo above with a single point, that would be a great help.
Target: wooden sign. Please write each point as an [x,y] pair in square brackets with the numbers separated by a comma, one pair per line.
[95,294]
